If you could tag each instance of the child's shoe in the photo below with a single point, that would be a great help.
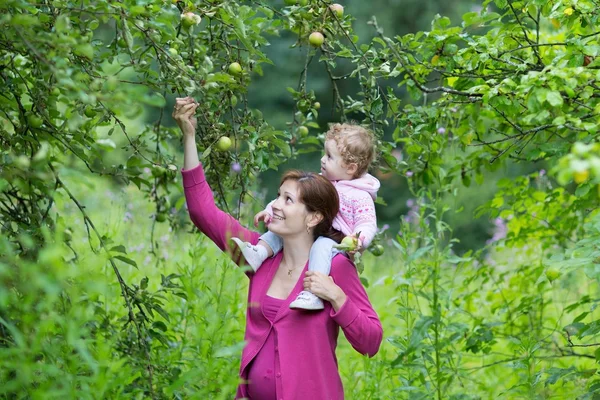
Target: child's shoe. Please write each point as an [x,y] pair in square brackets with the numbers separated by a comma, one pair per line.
[254,255]
[307,301]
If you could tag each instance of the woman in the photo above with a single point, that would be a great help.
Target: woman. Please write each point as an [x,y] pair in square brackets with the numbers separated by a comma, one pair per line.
[289,354]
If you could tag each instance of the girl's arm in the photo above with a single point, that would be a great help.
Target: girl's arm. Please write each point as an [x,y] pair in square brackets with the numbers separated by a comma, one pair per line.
[365,220]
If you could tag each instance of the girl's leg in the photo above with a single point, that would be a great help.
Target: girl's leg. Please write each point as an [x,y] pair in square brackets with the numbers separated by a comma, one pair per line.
[268,245]
[319,259]
[321,254]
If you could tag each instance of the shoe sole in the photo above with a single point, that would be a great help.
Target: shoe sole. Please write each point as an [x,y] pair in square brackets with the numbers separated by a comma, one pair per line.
[306,308]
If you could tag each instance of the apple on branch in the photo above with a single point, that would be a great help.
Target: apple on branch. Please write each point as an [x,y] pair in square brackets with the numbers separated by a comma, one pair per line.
[189,19]
[235,68]
[349,243]
[224,143]
[316,39]
[338,9]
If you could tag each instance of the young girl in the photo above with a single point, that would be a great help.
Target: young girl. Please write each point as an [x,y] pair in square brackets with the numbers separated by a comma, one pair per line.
[349,150]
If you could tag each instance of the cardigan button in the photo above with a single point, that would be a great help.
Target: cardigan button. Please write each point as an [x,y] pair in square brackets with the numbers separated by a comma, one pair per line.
[278,375]
[276,349]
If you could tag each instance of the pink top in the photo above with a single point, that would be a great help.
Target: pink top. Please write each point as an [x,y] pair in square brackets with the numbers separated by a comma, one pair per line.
[261,374]
[305,341]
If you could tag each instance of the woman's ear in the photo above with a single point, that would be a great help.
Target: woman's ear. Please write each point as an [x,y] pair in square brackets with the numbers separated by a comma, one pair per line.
[314,219]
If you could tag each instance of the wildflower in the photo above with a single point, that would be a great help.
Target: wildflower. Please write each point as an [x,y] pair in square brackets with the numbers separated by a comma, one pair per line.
[397,155]
[236,167]
[127,217]
[568,11]
[409,174]
[441,130]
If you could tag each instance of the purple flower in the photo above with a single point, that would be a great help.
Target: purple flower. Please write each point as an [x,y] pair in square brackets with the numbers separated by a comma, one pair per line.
[500,231]
[441,130]
[127,217]
[542,172]
[454,109]
[409,173]
[410,202]
[236,167]
[397,155]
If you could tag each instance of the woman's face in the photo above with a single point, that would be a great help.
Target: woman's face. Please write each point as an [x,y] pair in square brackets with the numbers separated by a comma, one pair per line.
[290,216]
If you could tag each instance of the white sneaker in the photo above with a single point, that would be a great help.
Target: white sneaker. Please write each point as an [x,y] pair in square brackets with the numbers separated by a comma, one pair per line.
[254,255]
[307,301]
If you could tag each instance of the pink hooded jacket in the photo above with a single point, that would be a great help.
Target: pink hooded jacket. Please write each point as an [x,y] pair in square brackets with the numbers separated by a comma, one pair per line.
[357,207]
[305,341]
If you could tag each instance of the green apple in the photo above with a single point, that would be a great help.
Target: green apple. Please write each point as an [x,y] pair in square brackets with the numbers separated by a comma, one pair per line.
[349,243]
[189,19]
[224,143]
[34,121]
[552,274]
[581,176]
[302,130]
[173,52]
[377,250]
[316,105]
[290,2]
[338,9]
[235,68]
[316,39]
[90,112]
[303,2]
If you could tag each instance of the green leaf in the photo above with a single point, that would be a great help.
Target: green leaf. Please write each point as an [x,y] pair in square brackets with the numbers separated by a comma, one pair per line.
[84,50]
[126,260]
[554,98]
[120,248]
[154,100]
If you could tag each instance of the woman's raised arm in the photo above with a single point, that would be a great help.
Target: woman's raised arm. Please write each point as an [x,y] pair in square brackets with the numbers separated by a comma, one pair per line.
[204,213]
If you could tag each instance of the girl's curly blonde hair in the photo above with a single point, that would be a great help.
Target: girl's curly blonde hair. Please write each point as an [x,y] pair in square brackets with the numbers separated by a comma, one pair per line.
[355,144]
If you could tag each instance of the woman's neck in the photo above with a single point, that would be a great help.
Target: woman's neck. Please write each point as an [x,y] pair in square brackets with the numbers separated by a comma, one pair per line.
[296,250]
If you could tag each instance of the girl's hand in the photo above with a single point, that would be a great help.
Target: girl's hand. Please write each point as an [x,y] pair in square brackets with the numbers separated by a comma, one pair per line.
[262,216]
[183,113]
[324,287]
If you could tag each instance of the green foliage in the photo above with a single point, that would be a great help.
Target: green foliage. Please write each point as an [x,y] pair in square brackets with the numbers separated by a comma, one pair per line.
[87,91]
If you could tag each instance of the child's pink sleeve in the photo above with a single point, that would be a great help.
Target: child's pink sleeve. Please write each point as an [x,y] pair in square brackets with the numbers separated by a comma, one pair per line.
[365,220]
[269,208]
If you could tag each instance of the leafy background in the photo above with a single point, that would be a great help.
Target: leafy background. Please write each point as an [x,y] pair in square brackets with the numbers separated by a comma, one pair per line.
[487,116]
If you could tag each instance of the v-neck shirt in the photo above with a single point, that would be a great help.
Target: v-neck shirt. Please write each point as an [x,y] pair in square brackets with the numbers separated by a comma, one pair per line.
[261,376]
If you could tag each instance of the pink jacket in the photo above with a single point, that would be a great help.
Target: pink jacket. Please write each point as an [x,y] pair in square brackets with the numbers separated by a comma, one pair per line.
[357,207]
[306,365]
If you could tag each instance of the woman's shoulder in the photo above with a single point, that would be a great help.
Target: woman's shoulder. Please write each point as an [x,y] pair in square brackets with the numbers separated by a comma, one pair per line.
[341,262]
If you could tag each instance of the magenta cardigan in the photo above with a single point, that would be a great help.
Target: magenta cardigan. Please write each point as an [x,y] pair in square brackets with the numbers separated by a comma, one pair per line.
[305,341]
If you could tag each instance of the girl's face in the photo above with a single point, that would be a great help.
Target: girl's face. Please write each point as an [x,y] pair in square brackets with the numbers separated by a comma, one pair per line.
[290,216]
[332,165]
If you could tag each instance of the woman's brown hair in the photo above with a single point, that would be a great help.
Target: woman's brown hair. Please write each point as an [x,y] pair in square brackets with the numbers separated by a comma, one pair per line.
[318,195]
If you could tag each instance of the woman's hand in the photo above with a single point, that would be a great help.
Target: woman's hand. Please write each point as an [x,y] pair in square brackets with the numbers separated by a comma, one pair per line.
[183,113]
[323,286]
